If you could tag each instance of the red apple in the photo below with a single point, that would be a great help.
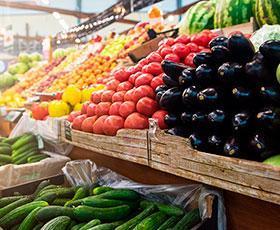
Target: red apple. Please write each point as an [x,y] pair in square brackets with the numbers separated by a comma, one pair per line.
[77,122]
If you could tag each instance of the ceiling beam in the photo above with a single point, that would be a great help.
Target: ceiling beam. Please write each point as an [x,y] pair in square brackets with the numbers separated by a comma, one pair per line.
[25,6]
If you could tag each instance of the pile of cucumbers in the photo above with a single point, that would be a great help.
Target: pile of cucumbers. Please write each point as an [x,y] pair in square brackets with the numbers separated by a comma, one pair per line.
[53,207]
[20,150]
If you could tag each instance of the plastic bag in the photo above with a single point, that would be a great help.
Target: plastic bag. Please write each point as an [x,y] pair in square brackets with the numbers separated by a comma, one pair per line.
[84,172]
[49,130]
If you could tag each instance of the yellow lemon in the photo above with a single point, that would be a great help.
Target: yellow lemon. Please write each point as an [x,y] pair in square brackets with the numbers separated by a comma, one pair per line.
[72,95]
[78,107]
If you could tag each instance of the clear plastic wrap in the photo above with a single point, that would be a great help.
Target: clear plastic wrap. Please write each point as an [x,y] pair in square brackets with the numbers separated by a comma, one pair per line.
[83,172]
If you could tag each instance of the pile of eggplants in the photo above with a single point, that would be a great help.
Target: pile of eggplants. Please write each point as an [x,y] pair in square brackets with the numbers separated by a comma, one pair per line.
[230,103]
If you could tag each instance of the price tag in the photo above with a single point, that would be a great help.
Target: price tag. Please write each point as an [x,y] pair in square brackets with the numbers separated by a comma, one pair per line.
[68,130]
[40,142]
[13,116]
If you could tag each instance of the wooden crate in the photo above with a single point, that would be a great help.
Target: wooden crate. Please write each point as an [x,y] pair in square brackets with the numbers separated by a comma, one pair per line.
[174,155]
[130,145]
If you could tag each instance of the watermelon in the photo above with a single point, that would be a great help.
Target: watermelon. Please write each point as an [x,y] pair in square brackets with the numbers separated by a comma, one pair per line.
[232,12]
[267,12]
[199,17]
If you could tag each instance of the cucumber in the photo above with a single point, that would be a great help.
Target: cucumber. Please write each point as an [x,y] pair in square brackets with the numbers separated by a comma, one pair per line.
[170,210]
[12,206]
[47,188]
[5,145]
[60,201]
[18,156]
[78,226]
[5,150]
[169,223]
[130,224]
[15,227]
[12,139]
[188,221]
[5,158]
[109,226]
[17,215]
[91,224]
[23,141]
[36,158]
[40,187]
[58,223]
[24,149]
[81,192]
[47,213]
[120,194]
[100,190]
[8,200]
[48,197]
[38,226]
[60,192]
[152,222]
[85,213]
[23,159]
[72,224]
[30,221]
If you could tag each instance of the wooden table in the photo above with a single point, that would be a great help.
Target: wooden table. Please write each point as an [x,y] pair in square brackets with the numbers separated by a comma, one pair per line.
[243,213]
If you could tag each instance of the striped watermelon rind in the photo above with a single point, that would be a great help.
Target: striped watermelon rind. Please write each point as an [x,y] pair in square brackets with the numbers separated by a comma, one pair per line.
[267,12]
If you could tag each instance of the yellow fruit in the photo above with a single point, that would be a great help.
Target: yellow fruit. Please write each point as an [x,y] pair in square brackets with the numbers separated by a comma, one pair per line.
[72,95]
[78,107]
[58,108]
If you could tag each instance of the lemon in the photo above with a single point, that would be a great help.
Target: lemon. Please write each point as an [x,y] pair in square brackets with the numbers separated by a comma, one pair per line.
[72,95]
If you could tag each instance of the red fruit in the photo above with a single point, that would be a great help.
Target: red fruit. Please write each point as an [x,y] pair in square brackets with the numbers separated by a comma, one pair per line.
[138,67]
[143,62]
[112,124]
[77,122]
[143,79]
[159,116]
[96,96]
[172,57]
[97,127]
[185,39]
[169,41]
[125,86]
[193,47]
[39,112]
[107,95]
[153,68]
[114,108]
[133,77]
[189,60]
[201,39]
[156,81]
[180,49]
[91,109]
[102,108]
[84,107]
[165,51]
[73,115]
[131,70]
[127,108]
[121,75]
[136,121]
[112,85]
[118,96]
[146,106]
[88,123]
[128,95]
[154,57]
[143,91]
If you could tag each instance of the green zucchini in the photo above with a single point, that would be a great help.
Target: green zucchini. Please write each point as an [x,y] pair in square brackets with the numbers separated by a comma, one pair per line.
[23,141]
[101,189]
[60,201]
[152,222]
[130,224]
[85,213]
[78,226]
[91,224]
[58,223]
[120,194]
[169,223]
[12,206]
[188,221]
[30,221]
[40,187]
[47,213]
[170,210]
[4,201]
[108,226]
[48,197]
[17,215]
[5,158]
[5,150]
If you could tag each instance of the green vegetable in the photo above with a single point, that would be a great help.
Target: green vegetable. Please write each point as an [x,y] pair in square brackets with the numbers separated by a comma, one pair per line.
[91,224]
[36,158]
[8,200]
[12,206]
[60,201]
[110,226]
[5,150]
[5,158]
[23,159]
[278,73]
[38,226]
[267,12]
[40,187]
[169,223]
[119,194]
[78,226]
[81,192]
[274,160]
[170,210]
[48,197]
[189,220]
[100,190]
[152,222]
[58,223]
[12,140]
[50,212]
[60,192]
[24,140]
[30,221]
[24,149]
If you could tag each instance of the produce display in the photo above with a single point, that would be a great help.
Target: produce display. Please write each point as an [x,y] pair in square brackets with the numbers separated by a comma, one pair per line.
[18,150]
[267,12]
[53,207]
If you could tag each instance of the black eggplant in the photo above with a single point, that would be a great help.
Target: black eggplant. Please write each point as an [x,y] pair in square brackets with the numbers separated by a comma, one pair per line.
[217,119]
[215,143]
[172,69]
[219,41]
[258,73]
[268,119]
[271,50]
[205,75]
[258,57]
[209,97]
[203,58]
[270,95]
[172,120]
[161,88]
[233,148]
[220,54]
[179,131]
[169,81]
[159,95]
[171,99]
[186,118]
[242,97]
[230,73]
[187,78]
[198,142]
[241,48]
[242,123]
[199,121]
[189,96]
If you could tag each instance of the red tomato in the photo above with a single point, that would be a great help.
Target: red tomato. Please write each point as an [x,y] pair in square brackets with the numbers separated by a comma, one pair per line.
[112,124]
[165,51]
[88,123]
[146,106]
[84,107]
[172,57]
[91,109]
[133,77]
[121,75]
[156,81]
[167,41]
[102,108]
[138,67]
[77,122]
[201,39]
[107,95]
[159,116]
[96,96]
[185,39]
[181,50]
[39,112]
[143,62]
[127,108]
[143,91]
[125,86]
[153,68]
[73,115]
[114,108]
[143,79]
[189,60]
[98,125]
[131,70]
[128,95]
[193,47]
[154,57]
[136,121]
[113,84]
[118,96]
